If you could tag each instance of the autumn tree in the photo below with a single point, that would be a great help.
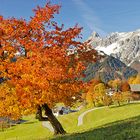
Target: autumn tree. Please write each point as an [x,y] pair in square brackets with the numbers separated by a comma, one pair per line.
[137,79]
[124,86]
[122,97]
[102,97]
[36,67]
[131,79]
[9,102]
[127,96]
[90,94]
[117,98]
[134,79]
[100,89]
[115,84]
[96,93]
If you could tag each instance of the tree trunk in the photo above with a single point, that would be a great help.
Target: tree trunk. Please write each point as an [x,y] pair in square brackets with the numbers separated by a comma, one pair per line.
[118,103]
[39,114]
[94,104]
[58,129]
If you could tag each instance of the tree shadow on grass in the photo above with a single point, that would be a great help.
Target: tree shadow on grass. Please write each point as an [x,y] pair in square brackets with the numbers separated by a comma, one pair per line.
[120,130]
[30,122]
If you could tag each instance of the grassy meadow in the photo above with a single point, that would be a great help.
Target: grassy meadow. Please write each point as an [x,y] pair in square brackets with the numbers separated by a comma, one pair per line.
[108,123]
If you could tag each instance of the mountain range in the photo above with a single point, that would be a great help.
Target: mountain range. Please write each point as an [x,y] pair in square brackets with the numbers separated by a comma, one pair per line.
[108,68]
[124,46]
[121,56]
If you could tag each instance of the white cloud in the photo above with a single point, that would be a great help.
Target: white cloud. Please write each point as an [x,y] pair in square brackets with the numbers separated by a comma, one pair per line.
[89,17]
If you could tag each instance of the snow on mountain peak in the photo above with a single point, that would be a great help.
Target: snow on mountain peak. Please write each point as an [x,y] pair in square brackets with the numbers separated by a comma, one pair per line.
[124,46]
[108,49]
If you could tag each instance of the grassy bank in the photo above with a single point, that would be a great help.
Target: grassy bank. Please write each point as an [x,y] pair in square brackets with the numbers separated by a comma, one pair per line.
[108,121]
[128,129]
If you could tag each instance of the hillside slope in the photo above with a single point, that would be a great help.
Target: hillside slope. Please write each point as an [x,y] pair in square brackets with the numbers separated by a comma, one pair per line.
[108,68]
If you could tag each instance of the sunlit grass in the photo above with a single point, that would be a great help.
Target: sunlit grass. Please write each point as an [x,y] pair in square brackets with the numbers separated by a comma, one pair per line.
[120,130]
[29,130]
[32,129]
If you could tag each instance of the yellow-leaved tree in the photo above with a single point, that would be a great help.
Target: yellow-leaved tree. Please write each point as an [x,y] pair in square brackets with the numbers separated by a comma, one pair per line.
[134,80]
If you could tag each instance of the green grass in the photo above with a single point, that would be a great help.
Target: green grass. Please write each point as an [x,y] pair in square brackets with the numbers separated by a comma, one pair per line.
[109,115]
[97,124]
[128,129]
[33,129]
[29,130]
[100,117]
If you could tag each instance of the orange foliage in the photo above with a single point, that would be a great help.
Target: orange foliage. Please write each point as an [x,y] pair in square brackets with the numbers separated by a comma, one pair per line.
[7,102]
[125,86]
[43,72]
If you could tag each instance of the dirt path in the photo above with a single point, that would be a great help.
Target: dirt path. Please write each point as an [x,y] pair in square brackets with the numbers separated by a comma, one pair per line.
[80,118]
[47,125]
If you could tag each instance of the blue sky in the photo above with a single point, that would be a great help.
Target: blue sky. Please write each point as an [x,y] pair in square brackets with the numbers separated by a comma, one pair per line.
[103,16]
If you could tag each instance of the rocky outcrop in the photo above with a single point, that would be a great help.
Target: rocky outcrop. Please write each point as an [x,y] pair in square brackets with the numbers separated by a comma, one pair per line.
[136,65]
[108,68]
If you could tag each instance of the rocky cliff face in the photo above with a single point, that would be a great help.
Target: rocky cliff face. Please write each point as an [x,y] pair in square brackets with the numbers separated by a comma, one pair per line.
[136,65]
[108,68]
[123,46]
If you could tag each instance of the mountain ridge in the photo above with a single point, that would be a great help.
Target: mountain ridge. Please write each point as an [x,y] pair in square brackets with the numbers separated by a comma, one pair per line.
[108,68]
[124,46]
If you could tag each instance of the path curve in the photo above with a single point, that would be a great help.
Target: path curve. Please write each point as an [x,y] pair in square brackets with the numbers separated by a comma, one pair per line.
[47,125]
[80,118]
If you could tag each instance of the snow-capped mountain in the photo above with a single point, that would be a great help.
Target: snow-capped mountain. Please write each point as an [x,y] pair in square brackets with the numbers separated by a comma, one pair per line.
[124,46]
